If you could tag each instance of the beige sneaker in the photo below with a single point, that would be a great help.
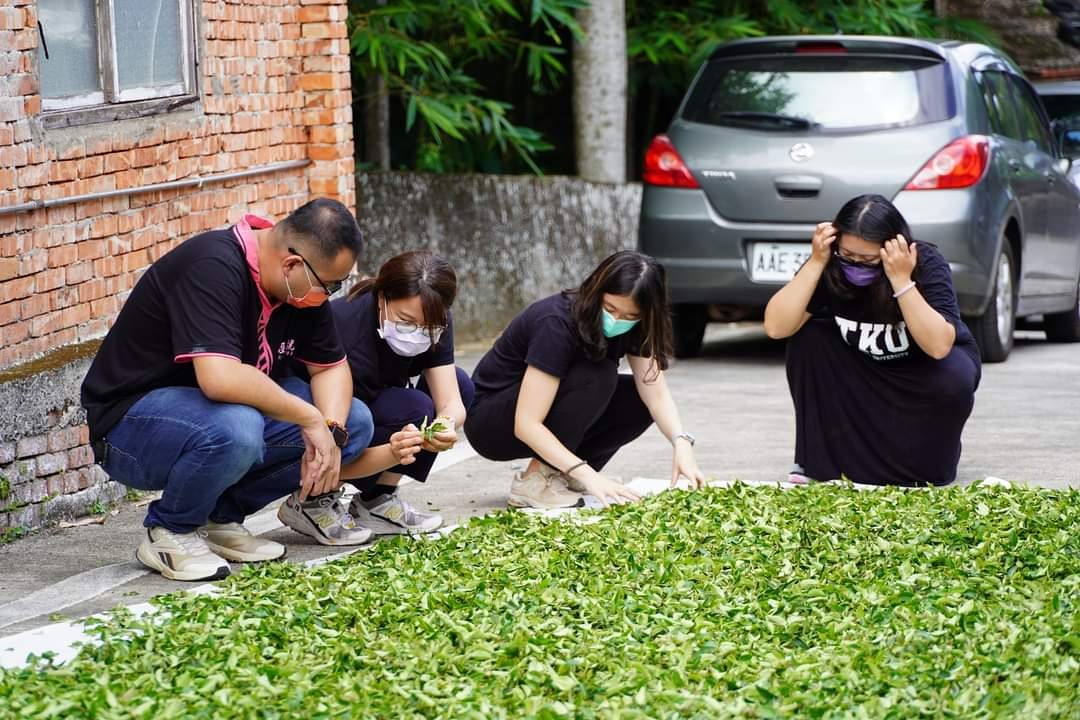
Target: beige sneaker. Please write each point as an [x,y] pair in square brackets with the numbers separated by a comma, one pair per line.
[235,542]
[181,556]
[558,475]
[539,490]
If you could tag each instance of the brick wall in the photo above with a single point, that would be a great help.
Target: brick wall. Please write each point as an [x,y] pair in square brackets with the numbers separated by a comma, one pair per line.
[273,85]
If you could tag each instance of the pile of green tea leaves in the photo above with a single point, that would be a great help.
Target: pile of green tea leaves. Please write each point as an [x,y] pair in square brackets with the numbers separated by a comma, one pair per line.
[818,602]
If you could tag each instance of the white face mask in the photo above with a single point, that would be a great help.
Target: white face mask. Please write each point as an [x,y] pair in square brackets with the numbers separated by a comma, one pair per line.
[406,344]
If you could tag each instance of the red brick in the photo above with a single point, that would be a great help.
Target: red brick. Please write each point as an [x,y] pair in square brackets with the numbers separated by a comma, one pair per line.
[75,315]
[91,249]
[79,272]
[9,313]
[103,226]
[9,268]
[45,324]
[63,298]
[62,439]
[31,446]
[33,175]
[15,289]
[80,457]
[63,255]
[64,171]
[14,333]
[92,290]
[31,307]
[48,280]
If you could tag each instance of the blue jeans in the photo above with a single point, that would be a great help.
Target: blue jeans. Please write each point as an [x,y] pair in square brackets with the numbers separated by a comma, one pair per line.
[215,461]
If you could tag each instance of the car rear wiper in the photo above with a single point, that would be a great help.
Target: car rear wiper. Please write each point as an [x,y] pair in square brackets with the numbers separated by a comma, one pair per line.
[758,118]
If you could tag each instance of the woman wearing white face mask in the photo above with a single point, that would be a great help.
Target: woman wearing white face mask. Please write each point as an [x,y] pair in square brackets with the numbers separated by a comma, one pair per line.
[394,327]
[550,389]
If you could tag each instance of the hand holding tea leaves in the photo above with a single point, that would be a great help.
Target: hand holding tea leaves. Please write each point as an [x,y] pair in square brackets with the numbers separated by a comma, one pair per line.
[406,443]
[439,435]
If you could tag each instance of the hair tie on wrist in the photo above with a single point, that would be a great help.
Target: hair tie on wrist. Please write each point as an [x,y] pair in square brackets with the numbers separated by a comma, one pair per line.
[575,467]
[904,289]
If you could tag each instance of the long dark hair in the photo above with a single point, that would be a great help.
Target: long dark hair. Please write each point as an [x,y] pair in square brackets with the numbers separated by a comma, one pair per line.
[642,278]
[875,219]
[415,272]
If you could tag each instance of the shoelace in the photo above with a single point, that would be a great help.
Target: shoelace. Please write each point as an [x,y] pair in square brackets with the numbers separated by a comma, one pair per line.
[193,543]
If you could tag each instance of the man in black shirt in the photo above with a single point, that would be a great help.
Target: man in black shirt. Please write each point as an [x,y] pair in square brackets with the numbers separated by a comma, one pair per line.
[189,395]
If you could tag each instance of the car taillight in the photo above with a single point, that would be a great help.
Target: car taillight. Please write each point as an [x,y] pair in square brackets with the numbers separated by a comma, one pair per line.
[959,164]
[664,167]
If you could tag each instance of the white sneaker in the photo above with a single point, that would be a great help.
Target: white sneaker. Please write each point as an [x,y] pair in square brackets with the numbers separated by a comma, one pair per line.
[181,556]
[394,516]
[322,519]
[542,491]
[235,542]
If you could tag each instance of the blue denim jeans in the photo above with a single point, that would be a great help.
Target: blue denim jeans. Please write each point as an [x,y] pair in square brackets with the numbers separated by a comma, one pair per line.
[215,461]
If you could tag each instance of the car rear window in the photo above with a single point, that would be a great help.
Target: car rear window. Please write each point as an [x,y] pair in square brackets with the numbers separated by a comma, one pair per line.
[835,92]
[1063,107]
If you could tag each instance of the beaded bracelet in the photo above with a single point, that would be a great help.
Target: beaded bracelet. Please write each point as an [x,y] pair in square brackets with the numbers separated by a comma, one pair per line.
[904,289]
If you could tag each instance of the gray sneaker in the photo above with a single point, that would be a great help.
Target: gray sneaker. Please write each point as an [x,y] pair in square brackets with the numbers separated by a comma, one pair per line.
[393,516]
[559,476]
[322,519]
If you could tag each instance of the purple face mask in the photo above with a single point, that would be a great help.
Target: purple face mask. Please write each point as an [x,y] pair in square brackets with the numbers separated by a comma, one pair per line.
[859,274]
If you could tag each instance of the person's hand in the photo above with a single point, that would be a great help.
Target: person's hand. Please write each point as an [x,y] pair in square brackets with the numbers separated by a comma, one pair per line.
[824,237]
[321,461]
[685,465]
[444,440]
[899,259]
[608,491]
[406,443]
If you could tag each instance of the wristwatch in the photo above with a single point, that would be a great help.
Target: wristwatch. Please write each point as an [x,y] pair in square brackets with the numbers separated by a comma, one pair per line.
[341,435]
[689,438]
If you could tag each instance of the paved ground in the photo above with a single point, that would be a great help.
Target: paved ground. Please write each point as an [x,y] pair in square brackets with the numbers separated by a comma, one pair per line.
[1024,428]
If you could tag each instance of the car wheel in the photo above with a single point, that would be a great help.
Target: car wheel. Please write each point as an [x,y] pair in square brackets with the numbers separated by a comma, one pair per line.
[688,325]
[1064,326]
[993,330]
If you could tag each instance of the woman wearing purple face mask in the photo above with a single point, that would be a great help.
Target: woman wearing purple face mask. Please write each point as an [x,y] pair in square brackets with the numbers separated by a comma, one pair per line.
[881,368]
[394,327]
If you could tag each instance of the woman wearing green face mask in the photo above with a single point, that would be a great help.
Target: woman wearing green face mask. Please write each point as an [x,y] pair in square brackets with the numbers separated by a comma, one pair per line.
[550,389]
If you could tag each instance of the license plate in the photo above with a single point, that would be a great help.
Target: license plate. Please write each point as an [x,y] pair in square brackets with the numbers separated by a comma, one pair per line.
[777,262]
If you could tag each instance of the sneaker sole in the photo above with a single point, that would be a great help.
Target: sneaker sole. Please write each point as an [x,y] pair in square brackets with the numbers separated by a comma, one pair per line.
[157,565]
[298,522]
[379,526]
[242,557]
[521,501]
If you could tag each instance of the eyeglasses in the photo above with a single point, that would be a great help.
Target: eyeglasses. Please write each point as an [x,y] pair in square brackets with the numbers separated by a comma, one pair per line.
[408,326]
[328,287]
[856,257]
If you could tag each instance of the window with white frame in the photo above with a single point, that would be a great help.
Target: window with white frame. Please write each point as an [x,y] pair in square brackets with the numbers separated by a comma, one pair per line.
[100,53]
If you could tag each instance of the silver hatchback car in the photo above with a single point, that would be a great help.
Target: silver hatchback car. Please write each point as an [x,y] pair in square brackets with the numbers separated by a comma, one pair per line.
[775,134]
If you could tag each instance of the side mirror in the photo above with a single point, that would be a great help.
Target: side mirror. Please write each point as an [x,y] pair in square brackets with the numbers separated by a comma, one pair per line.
[1064,165]
[1069,145]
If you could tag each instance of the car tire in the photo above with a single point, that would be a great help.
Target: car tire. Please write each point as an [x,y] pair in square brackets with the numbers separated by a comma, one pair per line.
[688,328]
[1064,327]
[993,330]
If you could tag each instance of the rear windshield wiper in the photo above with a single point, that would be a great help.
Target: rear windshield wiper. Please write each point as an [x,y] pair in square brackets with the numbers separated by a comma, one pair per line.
[765,118]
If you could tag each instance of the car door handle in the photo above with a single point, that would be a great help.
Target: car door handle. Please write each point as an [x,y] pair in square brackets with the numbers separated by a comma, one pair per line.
[1015,165]
[1049,177]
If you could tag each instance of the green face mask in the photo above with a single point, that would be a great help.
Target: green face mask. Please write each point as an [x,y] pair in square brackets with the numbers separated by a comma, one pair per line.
[612,327]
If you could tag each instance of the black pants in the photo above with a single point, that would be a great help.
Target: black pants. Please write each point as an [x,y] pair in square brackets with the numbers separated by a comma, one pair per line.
[879,423]
[394,408]
[595,412]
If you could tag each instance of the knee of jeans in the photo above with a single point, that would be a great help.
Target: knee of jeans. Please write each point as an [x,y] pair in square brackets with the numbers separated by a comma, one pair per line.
[361,427]
[236,436]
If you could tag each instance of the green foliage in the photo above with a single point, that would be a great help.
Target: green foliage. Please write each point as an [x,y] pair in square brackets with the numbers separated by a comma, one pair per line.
[98,508]
[11,533]
[131,494]
[424,50]
[820,602]
[5,488]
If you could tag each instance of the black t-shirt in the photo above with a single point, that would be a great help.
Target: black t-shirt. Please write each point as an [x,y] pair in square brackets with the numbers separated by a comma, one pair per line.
[374,365]
[201,298]
[544,336]
[879,338]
